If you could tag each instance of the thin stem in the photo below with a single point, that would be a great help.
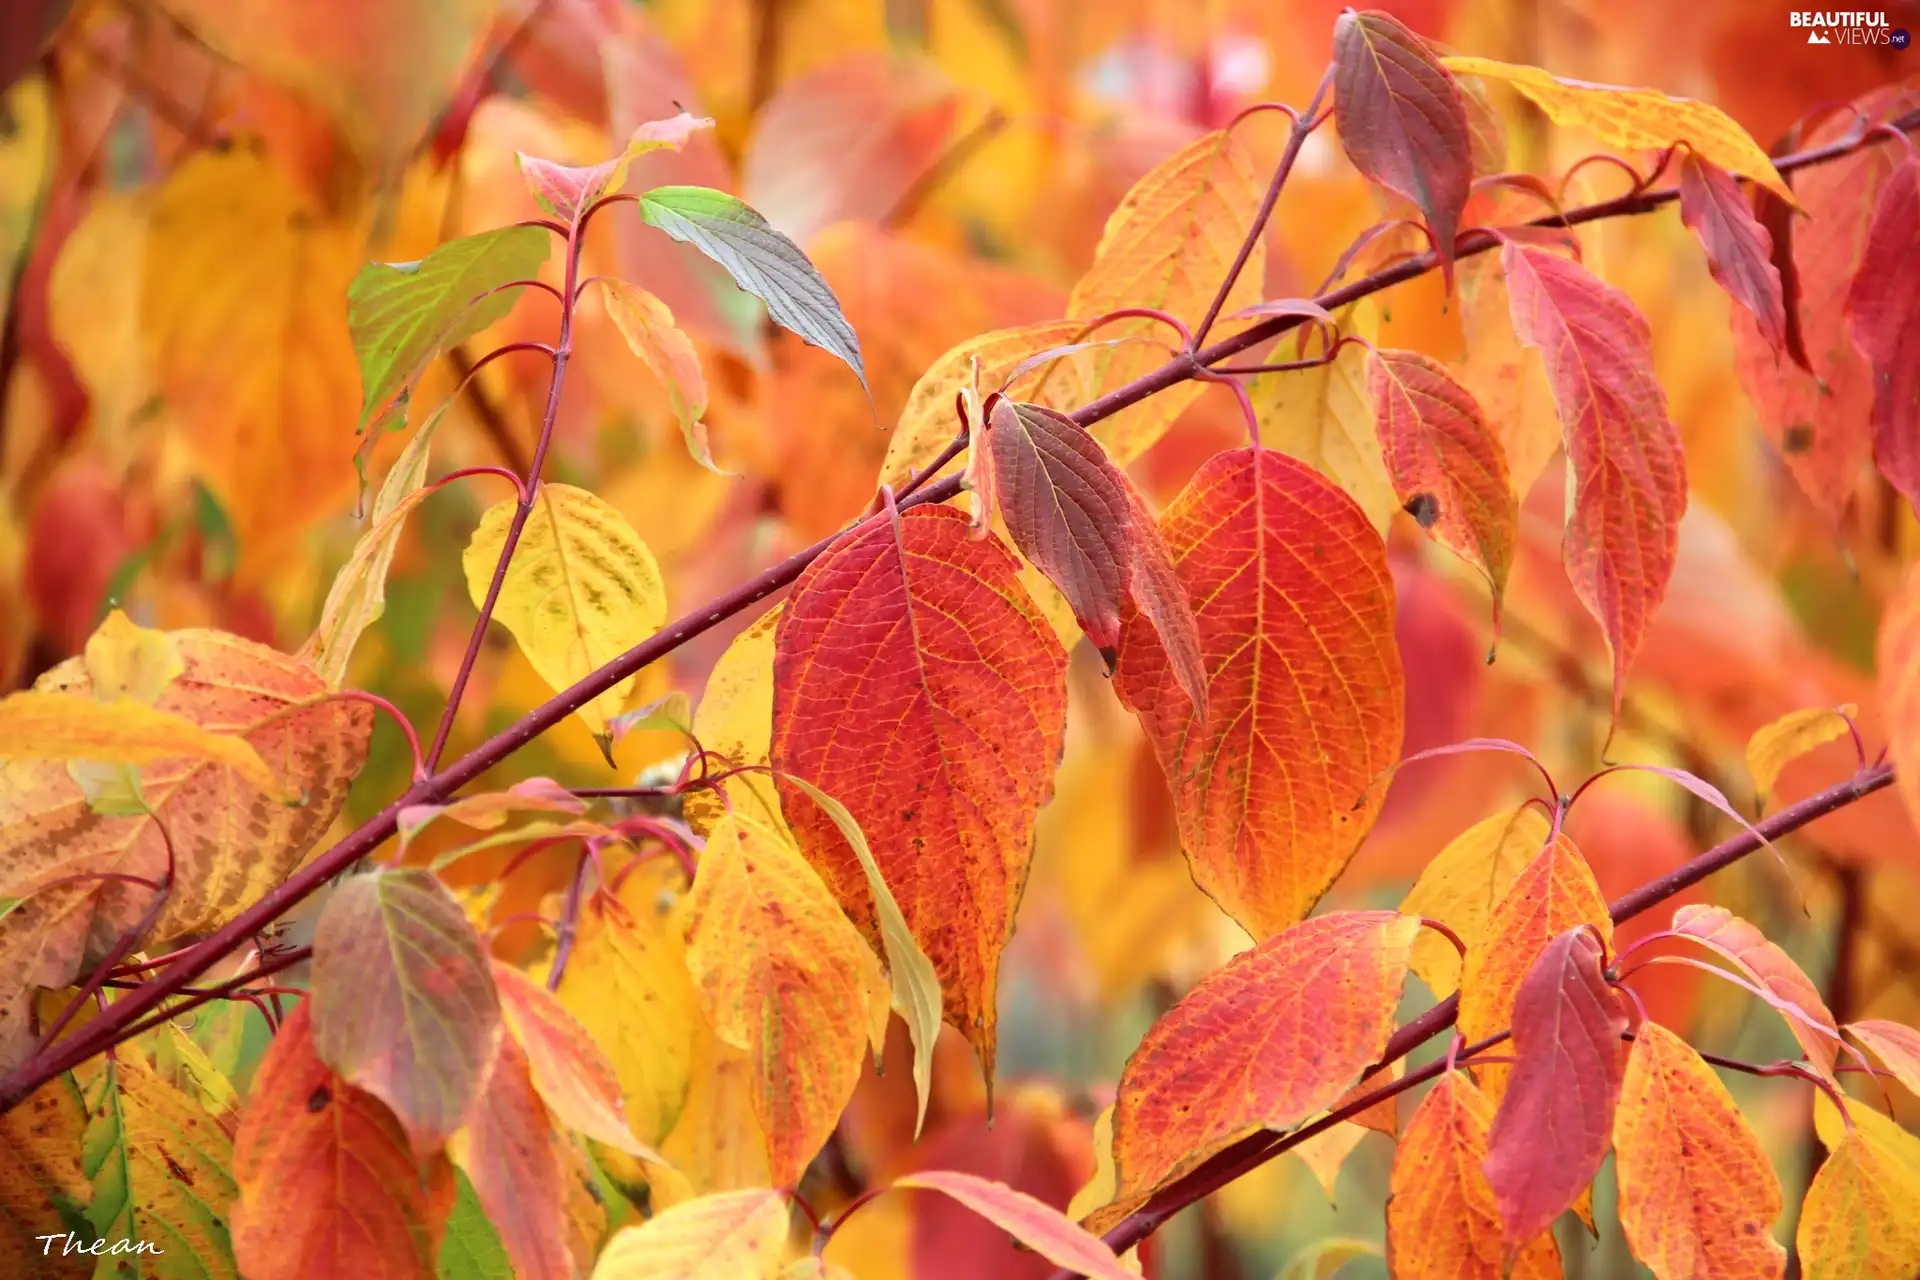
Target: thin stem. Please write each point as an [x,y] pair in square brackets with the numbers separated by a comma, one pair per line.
[464,472]
[406,725]
[569,927]
[1303,124]
[562,351]
[121,1020]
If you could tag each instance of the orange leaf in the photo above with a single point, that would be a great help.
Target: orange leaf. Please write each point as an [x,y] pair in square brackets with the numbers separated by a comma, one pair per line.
[1066,509]
[1739,250]
[1463,884]
[1765,963]
[1857,1219]
[1629,484]
[488,810]
[1448,468]
[647,325]
[1697,1194]
[1898,654]
[1641,119]
[1504,376]
[1896,1045]
[1304,701]
[511,1155]
[1441,1219]
[1039,1226]
[1556,1120]
[328,1183]
[1162,600]
[1277,1034]
[1883,315]
[39,1173]
[54,726]
[1554,893]
[404,1005]
[784,976]
[916,684]
[569,1070]
[1168,246]
[1402,120]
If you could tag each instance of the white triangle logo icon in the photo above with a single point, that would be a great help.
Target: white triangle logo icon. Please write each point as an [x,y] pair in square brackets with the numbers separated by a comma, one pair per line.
[1814,37]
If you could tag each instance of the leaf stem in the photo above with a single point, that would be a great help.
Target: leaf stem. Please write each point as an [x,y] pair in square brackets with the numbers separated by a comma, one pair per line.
[121,1020]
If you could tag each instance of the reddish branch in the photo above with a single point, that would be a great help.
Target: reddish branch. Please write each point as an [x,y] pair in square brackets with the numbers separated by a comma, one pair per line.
[122,1018]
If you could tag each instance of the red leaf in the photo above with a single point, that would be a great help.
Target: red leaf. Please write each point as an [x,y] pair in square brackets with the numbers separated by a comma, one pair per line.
[1402,120]
[1629,485]
[516,1171]
[1449,469]
[1883,315]
[1739,250]
[1277,1034]
[328,1185]
[916,683]
[1304,688]
[1761,960]
[1034,1223]
[569,1070]
[1556,1121]
[1163,602]
[1066,507]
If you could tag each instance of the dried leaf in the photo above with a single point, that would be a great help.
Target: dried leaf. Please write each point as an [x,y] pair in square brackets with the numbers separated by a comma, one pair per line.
[970,742]
[1294,607]
[1556,1120]
[1037,1225]
[1464,883]
[403,1000]
[582,589]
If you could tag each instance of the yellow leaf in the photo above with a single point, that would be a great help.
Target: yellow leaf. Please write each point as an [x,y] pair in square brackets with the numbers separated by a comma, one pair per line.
[40,1173]
[627,984]
[1505,376]
[27,153]
[1324,417]
[582,589]
[93,301]
[1857,1219]
[1775,746]
[1461,885]
[784,976]
[738,1235]
[1324,1259]
[240,299]
[1168,246]
[131,662]
[52,726]
[716,1143]
[1635,118]
[735,720]
[647,325]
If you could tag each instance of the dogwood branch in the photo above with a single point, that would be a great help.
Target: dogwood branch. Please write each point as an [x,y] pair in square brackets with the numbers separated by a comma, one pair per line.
[117,1021]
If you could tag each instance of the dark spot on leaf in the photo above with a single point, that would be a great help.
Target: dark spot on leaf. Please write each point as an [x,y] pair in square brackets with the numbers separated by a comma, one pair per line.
[317,1101]
[173,1166]
[1797,439]
[1424,508]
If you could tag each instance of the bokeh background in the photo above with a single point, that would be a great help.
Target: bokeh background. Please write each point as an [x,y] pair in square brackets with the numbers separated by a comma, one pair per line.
[186,186]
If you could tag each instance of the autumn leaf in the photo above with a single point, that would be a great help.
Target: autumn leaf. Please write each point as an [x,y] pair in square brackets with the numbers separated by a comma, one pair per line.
[569,1070]
[1283,1030]
[1739,249]
[1448,468]
[784,976]
[511,1154]
[1168,246]
[1897,653]
[1697,1194]
[403,316]
[761,261]
[131,663]
[1037,1225]
[627,984]
[735,720]
[581,589]
[1763,962]
[647,325]
[1895,1044]
[1066,509]
[489,810]
[1857,1218]
[1463,884]
[55,726]
[1294,608]
[1442,1223]
[929,634]
[1776,745]
[328,1182]
[44,1187]
[1162,600]
[1505,376]
[1552,894]
[1628,488]
[404,1005]
[1556,1120]
[1639,119]
[1402,120]
[1884,318]
[566,192]
[732,1236]
[1325,1153]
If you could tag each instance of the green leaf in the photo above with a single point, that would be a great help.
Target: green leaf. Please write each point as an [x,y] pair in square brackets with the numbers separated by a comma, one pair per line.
[404,314]
[471,1249]
[761,261]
